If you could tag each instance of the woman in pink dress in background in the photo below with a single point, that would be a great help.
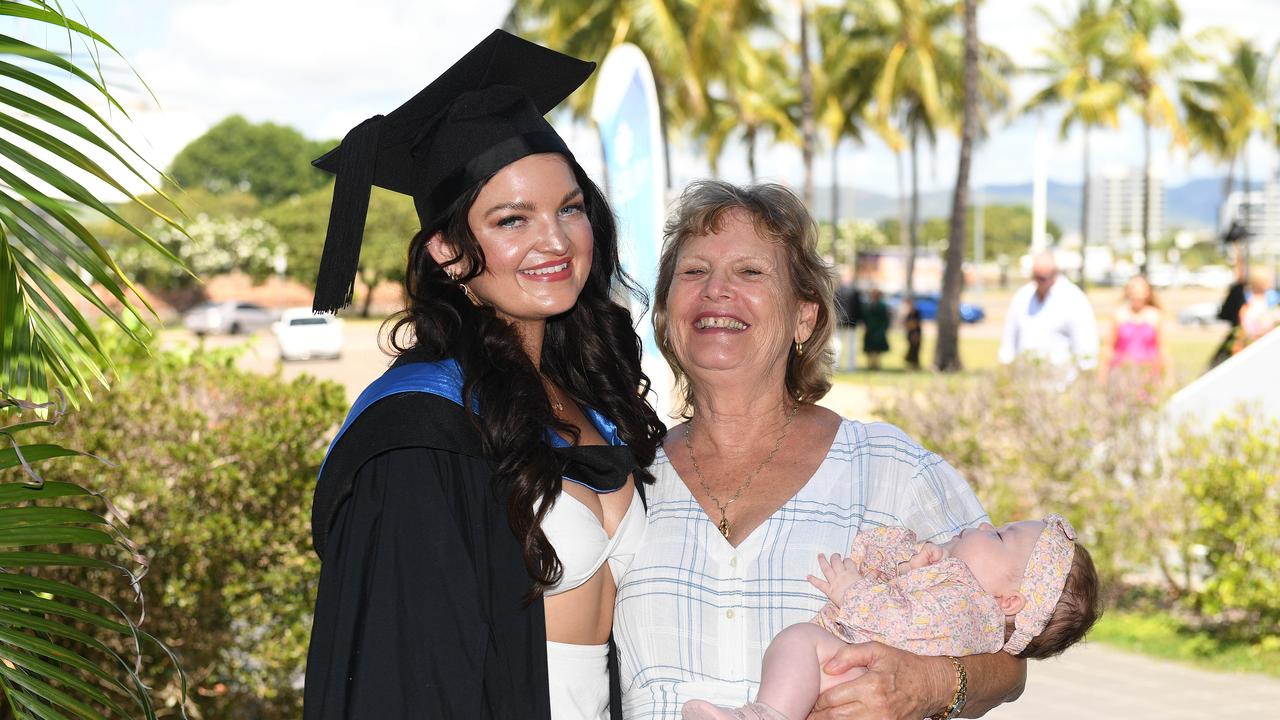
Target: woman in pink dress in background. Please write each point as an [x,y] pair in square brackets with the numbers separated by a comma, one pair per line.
[1134,347]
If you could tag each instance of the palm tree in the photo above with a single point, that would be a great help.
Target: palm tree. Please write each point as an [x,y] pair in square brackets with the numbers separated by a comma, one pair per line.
[1151,51]
[1081,78]
[1228,109]
[903,36]
[808,114]
[689,45]
[918,86]
[54,663]
[947,352]
[758,102]
[845,80]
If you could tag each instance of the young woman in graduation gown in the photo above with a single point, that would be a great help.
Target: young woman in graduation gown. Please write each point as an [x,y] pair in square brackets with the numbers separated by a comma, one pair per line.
[481,499]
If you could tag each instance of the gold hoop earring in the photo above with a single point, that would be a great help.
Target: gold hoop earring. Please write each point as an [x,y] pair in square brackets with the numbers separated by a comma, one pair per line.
[799,348]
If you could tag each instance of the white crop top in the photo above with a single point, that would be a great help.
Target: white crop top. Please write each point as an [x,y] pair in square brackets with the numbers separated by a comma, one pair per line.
[583,545]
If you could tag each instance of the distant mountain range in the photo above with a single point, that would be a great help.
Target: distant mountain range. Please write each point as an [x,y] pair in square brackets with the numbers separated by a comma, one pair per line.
[1192,205]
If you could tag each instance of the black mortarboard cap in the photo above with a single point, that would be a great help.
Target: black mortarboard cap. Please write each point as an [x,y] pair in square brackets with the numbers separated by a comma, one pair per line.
[480,115]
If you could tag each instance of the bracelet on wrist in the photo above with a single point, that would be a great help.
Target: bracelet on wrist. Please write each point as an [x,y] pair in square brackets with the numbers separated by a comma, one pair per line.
[959,696]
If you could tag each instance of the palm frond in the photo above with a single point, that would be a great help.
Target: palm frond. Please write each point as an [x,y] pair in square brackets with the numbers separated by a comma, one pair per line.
[53,663]
[47,255]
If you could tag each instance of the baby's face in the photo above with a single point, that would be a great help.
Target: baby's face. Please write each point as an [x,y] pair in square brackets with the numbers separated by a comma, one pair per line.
[997,556]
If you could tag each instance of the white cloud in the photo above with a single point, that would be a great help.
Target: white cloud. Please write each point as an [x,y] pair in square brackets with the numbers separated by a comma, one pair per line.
[324,65]
[320,65]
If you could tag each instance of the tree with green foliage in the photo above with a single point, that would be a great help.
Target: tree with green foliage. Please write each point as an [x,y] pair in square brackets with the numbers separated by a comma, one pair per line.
[56,537]
[691,47]
[209,246]
[918,85]
[391,223]
[271,162]
[1151,51]
[1081,73]
[1230,476]
[757,104]
[947,350]
[1235,104]
[221,233]
[1006,230]
[845,80]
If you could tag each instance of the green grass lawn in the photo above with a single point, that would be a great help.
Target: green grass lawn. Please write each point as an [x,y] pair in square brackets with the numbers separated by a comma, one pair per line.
[1162,635]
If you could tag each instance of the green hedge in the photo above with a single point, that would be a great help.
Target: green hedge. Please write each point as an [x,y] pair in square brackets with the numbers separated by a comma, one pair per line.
[1232,477]
[1195,513]
[215,470]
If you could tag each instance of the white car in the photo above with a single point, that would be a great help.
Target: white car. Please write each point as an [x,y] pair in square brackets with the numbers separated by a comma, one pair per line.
[303,335]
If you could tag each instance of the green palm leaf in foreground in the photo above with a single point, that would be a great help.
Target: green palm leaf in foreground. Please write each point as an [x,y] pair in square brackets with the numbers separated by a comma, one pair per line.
[51,266]
[60,645]
[54,662]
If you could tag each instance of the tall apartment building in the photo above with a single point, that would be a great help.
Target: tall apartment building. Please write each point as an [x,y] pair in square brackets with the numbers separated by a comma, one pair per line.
[1259,210]
[1115,208]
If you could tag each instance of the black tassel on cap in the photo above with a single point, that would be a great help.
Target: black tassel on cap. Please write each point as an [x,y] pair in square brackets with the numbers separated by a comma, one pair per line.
[357,162]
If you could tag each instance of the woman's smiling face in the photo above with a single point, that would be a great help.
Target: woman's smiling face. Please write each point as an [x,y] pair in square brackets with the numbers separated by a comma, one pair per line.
[531,223]
[731,306]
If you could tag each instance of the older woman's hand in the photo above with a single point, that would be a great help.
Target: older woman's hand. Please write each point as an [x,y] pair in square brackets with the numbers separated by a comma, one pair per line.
[897,686]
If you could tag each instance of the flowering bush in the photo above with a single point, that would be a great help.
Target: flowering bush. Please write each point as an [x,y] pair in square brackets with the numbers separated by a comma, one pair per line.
[212,246]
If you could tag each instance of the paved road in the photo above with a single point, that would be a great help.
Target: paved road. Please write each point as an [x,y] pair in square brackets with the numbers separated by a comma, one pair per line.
[1094,681]
[1088,682]
[361,363]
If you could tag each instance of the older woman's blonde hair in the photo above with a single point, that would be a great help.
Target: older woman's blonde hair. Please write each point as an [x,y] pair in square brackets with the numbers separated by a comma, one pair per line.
[777,215]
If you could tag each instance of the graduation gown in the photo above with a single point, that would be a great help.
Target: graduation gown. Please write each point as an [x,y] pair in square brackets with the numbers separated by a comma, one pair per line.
[421,608]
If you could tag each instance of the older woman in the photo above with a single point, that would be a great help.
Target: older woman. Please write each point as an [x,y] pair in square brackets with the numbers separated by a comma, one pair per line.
[759,480]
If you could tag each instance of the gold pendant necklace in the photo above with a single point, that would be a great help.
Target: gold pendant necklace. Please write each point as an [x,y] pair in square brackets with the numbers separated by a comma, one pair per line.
[724,525]
[555,398]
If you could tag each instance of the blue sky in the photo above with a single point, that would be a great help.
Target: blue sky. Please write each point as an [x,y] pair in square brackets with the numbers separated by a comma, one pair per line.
[323,66]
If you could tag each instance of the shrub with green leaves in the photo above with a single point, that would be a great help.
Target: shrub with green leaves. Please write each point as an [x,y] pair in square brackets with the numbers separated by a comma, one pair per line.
[1233,476]
[215,469]
[1195,513]
[1031,443]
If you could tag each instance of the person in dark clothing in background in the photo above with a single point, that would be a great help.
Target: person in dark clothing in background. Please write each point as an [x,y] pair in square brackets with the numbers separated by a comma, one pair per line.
[1236,236]
[912,324]
[848,315]
[875,338]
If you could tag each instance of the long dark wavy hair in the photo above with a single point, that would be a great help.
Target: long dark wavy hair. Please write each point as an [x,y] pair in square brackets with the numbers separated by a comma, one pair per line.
[592,352]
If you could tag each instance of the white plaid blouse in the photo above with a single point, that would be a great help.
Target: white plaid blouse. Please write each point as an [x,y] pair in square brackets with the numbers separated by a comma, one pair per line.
[694,614]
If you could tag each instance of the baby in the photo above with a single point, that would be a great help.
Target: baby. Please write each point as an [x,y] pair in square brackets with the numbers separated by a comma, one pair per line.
[1026,588]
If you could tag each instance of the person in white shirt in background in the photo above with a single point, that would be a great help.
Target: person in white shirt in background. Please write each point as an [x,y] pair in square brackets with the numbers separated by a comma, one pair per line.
[1050,318]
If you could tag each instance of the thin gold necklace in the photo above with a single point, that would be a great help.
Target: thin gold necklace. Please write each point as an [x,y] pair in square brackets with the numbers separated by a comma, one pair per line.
[555,397]
[724,525]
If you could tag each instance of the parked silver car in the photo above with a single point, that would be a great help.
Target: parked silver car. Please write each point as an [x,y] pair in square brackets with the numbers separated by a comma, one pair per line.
[1201,313]
[232,317]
